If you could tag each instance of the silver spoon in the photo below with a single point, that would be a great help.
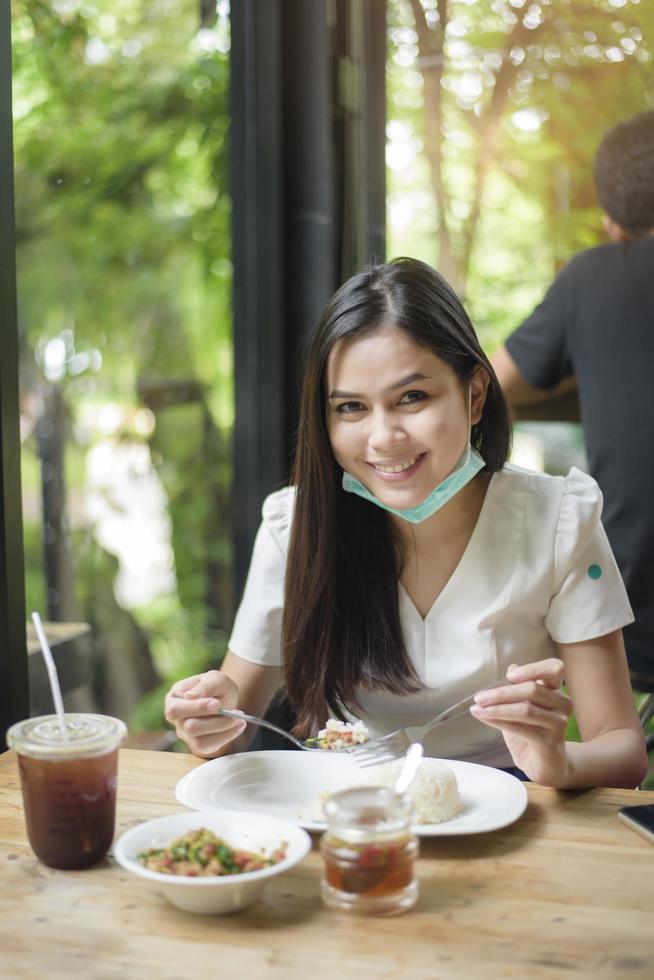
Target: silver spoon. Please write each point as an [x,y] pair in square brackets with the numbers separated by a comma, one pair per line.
[410,767]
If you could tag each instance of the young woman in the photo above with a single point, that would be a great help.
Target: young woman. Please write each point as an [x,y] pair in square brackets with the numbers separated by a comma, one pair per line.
[409,565]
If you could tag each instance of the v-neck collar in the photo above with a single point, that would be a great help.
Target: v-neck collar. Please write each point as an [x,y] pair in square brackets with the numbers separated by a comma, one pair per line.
[461,562]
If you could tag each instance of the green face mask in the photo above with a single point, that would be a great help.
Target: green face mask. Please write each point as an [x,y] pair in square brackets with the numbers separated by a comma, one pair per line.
[468,466]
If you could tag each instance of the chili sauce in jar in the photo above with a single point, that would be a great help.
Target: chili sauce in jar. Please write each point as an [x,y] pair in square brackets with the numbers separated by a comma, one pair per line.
[369,852]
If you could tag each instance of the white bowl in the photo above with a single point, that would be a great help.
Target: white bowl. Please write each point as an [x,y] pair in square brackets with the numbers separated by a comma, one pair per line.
[241,829]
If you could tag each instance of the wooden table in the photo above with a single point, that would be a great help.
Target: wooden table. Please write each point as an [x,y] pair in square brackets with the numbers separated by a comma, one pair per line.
[71,652]
[56,633]
[566,891]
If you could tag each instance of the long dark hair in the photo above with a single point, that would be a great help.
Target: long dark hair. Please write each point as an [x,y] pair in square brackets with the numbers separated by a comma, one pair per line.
[341,626]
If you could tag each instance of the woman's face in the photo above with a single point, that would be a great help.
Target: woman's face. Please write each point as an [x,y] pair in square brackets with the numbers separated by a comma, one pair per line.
[398,417]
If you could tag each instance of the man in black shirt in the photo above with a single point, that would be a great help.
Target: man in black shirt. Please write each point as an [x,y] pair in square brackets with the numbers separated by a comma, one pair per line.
[595,327]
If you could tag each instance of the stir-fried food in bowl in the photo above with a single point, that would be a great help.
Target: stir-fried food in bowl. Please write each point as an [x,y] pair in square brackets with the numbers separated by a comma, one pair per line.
[201,853]
[211,861]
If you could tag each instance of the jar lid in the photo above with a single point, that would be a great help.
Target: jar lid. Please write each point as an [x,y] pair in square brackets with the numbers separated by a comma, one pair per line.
[88,735]
[366,811]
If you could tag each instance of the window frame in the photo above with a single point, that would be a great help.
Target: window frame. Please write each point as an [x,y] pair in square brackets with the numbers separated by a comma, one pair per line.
[14,685]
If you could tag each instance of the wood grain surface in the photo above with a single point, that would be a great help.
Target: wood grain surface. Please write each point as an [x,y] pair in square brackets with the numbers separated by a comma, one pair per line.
[566,891]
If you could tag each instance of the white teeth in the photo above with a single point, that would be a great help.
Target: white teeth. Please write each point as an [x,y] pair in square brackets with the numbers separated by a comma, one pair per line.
[397,469]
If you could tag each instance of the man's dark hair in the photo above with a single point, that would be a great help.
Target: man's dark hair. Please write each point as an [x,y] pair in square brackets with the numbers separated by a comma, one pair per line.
[624,174]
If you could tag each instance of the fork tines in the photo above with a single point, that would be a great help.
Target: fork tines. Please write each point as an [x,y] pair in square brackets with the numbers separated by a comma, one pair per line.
[381,750]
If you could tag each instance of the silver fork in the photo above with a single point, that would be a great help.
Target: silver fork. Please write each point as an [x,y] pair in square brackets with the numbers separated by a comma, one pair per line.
[263,723]
[395,744]
[254,720]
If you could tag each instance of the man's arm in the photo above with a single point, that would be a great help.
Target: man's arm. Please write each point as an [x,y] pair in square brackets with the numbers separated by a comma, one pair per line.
[559,403]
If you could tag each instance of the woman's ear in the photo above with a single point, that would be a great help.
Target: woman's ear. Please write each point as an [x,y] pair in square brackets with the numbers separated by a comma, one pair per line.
[478,390]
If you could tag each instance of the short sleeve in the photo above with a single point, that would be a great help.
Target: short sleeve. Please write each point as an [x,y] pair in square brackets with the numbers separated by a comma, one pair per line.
[539,346]
[257,633]
[589,598]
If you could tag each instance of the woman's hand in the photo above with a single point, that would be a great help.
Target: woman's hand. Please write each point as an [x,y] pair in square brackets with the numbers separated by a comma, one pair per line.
[191,706]
[532,714]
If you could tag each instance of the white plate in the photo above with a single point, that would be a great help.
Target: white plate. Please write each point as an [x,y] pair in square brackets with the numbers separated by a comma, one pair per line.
[289,784]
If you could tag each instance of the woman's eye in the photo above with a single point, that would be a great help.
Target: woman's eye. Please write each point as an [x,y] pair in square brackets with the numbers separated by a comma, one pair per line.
[409,397]
[349,408]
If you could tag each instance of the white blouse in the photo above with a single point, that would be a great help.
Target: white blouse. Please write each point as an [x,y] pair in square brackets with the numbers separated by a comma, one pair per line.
[538,570]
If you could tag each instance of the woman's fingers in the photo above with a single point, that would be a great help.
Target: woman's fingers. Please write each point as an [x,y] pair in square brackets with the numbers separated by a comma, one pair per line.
[533,700]
[180,688]
[536,685]
[200,695]
[209,745]
[204,731]
[548,672]
[199,726]
[211,684]
[176,709]
[530,692]
[526,714]
[191,706]
[532,713]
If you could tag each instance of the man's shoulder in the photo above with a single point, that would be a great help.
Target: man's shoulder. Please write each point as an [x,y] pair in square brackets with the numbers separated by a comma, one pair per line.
[590,259]
[593,260]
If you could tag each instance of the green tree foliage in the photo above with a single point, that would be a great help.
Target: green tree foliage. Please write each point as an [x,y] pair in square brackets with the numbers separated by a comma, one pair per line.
[121,120]
[124,257]
[505,102]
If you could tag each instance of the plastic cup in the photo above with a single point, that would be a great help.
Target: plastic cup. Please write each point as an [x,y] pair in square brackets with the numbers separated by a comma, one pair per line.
[69,785]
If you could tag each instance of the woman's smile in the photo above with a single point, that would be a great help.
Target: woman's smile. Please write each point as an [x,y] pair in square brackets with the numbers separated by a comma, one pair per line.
[394,471]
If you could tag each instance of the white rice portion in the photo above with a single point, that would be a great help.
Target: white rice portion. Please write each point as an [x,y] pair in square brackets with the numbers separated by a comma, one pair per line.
[434,792]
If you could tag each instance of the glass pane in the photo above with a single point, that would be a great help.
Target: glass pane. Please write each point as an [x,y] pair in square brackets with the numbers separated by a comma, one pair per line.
[495,111]
[124,280]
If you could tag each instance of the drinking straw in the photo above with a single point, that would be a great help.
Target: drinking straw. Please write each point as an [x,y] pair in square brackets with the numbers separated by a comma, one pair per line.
[52,673]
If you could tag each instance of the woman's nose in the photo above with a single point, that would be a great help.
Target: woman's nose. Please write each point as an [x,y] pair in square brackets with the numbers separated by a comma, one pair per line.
[386,431]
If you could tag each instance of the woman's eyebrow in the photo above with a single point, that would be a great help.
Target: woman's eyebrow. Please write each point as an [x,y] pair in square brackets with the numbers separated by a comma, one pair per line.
[402,383]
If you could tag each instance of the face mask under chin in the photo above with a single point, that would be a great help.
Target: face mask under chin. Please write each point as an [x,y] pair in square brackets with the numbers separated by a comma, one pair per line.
[470,463]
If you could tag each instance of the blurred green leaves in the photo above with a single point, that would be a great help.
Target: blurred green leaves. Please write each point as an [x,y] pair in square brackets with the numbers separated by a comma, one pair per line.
[121,186]
[124,273]
[496,108]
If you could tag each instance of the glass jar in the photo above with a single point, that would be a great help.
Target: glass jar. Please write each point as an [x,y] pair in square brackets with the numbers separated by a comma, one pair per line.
[369,852]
